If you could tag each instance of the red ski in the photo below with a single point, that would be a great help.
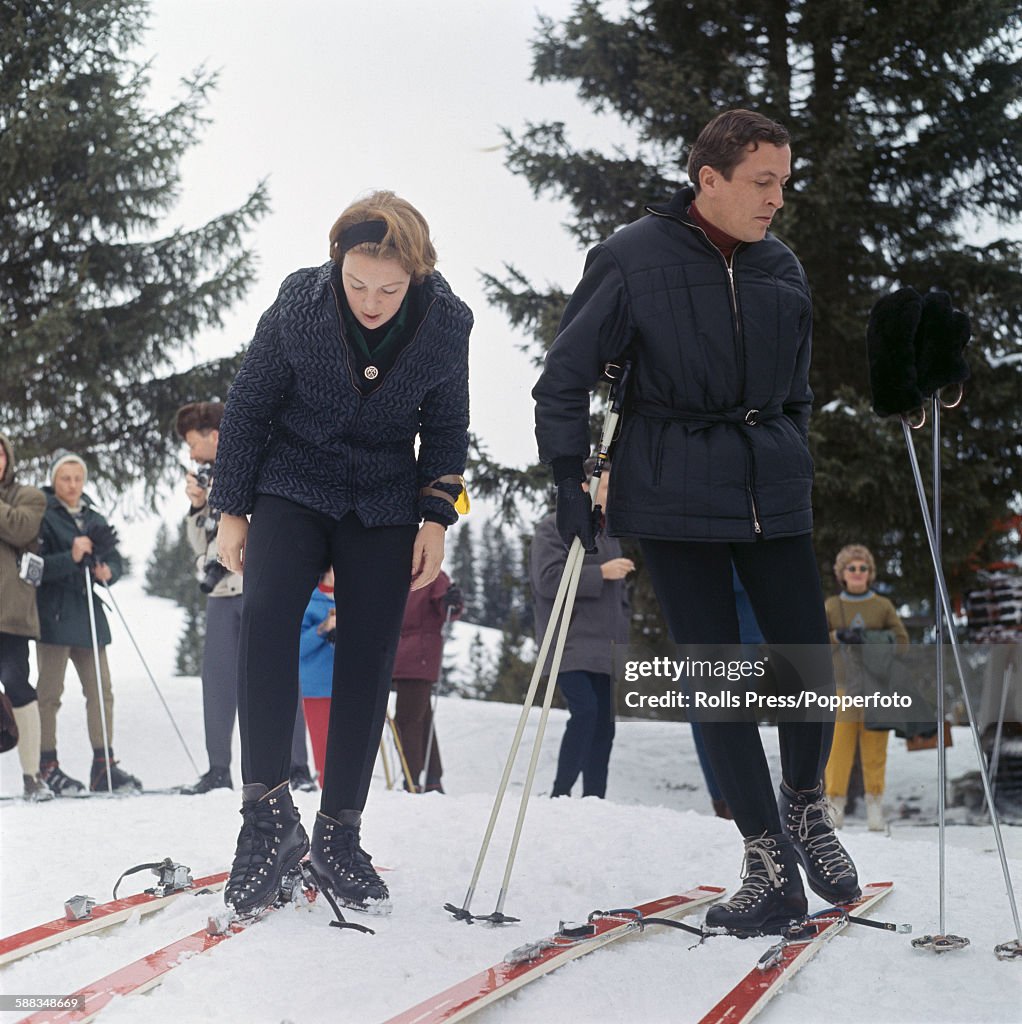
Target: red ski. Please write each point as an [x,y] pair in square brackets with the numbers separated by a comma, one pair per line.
[527,963]
[142,975]
[95,918]
[781,962]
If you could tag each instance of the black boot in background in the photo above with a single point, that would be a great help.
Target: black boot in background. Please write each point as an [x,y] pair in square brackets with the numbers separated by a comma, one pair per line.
[771,898]
[806,821]
[343,867]
[121,780]
[271,843]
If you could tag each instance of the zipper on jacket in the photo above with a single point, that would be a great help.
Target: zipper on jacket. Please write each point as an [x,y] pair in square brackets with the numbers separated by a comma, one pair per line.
[739,344]
[755,514]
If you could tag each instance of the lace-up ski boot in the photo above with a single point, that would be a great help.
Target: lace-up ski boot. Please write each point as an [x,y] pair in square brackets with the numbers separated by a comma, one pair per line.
[343,867]
[271,843]
[215,778]
[771,898]
[59,784]
[806,821]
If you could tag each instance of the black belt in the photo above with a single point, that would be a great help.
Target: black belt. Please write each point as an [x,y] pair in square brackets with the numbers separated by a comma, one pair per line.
[741,415]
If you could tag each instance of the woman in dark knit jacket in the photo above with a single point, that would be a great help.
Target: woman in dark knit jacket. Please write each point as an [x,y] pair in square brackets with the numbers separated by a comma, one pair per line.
[317,445]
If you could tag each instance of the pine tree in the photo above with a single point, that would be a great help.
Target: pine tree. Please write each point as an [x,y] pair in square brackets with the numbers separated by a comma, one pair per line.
[463,571]
[170,573]
[906,138]
[94,301]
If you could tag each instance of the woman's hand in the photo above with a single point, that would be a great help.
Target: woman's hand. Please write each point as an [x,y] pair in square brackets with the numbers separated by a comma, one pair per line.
[80,547]
[102,572]
[230,542]
[427,555]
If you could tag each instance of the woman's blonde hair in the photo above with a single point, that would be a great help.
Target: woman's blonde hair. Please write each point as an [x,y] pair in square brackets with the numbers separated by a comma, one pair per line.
[406,239]
[854,553]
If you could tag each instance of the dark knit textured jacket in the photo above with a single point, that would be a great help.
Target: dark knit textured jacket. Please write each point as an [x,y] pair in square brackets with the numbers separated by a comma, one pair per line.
[296,426]
[62,598]
[714,438]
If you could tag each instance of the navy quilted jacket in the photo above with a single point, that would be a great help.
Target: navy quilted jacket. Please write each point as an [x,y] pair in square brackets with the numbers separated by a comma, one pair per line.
[714,438]
[296,426]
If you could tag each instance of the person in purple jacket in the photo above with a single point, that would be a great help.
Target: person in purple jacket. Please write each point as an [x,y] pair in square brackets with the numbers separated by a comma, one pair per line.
[354,362]
[416,671]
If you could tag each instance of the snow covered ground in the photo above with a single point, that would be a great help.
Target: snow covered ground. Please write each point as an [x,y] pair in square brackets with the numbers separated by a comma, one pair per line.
[653,836]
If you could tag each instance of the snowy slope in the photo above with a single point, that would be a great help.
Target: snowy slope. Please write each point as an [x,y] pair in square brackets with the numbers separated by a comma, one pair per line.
[652,836]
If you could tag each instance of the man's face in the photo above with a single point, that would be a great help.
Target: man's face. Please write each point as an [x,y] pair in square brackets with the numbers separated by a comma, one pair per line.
[745,205]
[3,461]
[202,444]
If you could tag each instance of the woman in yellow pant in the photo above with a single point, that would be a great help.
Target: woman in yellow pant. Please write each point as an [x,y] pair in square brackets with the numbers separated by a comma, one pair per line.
[849,615]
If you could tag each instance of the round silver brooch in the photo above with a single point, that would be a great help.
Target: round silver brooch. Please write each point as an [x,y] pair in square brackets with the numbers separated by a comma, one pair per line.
[371,373]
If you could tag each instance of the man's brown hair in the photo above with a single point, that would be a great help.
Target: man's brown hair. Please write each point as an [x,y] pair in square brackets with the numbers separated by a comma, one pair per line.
[200,416]
[723,143]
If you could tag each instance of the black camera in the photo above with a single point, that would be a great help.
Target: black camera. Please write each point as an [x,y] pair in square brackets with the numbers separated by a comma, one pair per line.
[212,573]
[204,475]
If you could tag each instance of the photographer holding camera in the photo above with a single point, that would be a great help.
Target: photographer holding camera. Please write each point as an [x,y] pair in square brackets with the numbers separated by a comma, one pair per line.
[198,425]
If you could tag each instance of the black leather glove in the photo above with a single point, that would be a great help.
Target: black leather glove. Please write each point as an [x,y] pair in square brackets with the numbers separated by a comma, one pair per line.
[851,636]
[576,516]
[330,636]
[104,539]
[454,597]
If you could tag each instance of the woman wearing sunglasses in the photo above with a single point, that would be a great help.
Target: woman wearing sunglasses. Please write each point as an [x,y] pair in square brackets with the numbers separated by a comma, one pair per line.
[850,614]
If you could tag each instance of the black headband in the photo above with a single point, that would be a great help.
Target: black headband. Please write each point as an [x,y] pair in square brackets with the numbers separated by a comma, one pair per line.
[365,231]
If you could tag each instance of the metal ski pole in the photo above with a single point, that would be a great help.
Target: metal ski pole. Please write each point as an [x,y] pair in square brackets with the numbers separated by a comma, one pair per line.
[560,616]
[99,675]
[939,675]
[995,758]
[385,758]
[399,747]
[152,679]
[462,913]
[445,634]
[1009,949]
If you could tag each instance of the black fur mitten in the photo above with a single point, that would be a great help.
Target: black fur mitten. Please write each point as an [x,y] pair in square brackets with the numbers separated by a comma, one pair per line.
[890,335]
[942,335]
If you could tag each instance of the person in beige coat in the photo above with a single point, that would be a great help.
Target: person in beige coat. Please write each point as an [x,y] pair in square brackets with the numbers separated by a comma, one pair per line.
[21,512]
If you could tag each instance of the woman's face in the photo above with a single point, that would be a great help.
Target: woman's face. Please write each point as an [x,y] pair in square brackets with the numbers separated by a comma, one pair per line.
[856,576]
[374,287]
[69,482]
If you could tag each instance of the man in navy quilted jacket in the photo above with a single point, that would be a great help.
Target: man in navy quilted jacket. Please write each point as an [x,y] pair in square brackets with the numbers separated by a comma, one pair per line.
[712,468]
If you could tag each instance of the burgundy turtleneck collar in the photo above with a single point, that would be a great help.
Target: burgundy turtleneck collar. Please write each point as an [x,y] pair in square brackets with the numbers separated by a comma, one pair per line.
[721,239]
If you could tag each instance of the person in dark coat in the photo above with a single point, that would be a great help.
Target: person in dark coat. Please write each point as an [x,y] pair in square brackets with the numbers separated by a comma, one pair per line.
[198,425]
[599,619]
[74,544]
[420,653]
[21,515]
[712,467]
[353,361]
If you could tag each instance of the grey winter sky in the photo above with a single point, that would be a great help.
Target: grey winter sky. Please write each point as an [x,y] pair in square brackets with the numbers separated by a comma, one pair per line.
[329,98]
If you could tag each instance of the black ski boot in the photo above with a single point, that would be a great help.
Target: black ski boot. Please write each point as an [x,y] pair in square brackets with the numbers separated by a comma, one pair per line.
[271,843]
[343,867]
[215,778]
[121,780]
[301,779]
[806,821]
[59,784]
[771,899]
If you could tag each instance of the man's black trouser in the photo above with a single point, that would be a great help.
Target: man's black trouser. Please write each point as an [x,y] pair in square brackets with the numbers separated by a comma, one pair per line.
[694,585]
[289,546]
